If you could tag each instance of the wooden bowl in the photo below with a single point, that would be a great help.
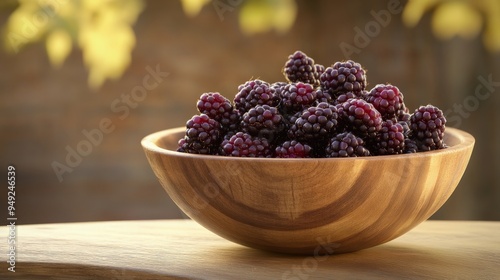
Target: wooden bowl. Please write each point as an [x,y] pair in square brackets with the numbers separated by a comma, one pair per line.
[309,206]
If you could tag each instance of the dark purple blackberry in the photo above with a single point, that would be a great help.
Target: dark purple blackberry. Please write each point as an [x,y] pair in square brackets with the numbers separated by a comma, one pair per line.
[387,99]
[296,97]
[202,135]
[214,105]
[245,145]
[293,149]
[390,139]
[253,93]
[349,95]
[299,68]
[343,77]
[264,121]
[315,124]
[410,146]
[360,117]
[319,69]
[323,96]
[427,125]
[346,144]
[219,108]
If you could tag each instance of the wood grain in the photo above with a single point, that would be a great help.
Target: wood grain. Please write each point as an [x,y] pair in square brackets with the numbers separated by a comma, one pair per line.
[305,205]
[182,249]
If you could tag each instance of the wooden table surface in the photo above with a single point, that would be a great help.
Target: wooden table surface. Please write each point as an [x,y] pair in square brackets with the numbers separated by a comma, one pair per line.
[181,249]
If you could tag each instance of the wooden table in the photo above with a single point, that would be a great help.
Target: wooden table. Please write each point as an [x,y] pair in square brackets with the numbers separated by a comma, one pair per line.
[181,249]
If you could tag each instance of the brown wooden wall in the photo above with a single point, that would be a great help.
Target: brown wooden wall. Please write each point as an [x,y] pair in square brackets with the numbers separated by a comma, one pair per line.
[44,110]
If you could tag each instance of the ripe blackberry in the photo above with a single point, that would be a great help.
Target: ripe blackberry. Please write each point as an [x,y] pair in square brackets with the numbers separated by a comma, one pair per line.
[264,121]
[245,145]
[360,117]
[387,99]
[323,96]
[343,77]
[346,144]
[315,124]
[349,95]
[410,146]
[427,126]
[202,135]
[214,105]
[293,149]
[299,68]
[296,97]
[390,139]
[319,70]
[253,93]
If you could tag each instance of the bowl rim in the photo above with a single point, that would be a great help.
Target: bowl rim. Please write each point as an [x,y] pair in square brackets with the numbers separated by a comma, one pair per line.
[149,142]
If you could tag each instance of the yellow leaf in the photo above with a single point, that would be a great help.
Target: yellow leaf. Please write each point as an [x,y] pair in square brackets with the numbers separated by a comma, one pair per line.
[193,7]
[58,46]
[259,16]
[491,36]
[415,9]
[456,19]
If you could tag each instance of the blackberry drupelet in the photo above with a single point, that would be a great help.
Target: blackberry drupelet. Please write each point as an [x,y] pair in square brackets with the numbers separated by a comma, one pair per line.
[427,126]
[293,149]
[296,97]
[245,145]
[390,139]
[202,135]
[300,68]
[315,124]
[346,144]
[387,99]
[264,121]
[360,117]
[253,93]
[343,77]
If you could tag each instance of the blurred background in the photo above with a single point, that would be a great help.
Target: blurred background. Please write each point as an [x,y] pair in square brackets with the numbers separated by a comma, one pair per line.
[82,82]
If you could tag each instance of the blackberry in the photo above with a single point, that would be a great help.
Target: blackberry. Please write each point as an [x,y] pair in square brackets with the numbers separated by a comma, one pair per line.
[245,145]
[360,117]
[296,97]
[253,93]
[315,123]
[264,121]
[292,149]
[390,139]
[343,77]
[323,96]
[319,69]
[427,126]
[349,95]
[346,144]
[410,146]
[214,105]
[387,99]
[300,68]
[202,135]
[219,108]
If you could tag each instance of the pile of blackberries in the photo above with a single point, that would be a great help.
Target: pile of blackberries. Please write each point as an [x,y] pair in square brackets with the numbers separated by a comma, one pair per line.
[318,112]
